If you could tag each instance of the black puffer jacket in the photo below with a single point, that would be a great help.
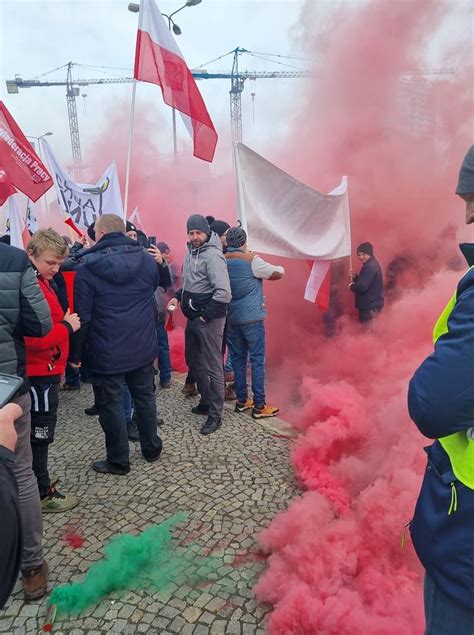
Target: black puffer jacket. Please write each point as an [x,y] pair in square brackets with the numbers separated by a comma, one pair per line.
[23,310]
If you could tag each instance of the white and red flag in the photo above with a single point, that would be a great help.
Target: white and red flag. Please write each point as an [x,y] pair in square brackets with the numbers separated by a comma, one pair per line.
[285,217]
[158,60]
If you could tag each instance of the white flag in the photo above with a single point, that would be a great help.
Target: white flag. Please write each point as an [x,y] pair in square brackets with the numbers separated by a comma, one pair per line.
[85,203]
[19,235]
[286,218]
[31,221]
[136,219]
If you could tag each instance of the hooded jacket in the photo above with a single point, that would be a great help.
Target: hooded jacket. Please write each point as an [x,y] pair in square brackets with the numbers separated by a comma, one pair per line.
[113,293]
[206,287]
[441,403]
[47,356]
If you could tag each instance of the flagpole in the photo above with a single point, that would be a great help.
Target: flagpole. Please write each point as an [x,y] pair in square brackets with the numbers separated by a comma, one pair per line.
[129,154]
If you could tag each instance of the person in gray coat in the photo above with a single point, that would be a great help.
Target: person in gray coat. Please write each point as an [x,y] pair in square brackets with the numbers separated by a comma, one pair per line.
[24,312]
[204,298]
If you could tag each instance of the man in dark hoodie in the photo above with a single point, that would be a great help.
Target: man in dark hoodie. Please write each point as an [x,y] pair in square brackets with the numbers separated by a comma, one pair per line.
[441,403]
[368,284]
[204,298]
[113,292]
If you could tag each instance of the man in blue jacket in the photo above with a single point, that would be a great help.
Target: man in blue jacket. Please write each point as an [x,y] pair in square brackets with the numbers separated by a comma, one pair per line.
[441,403]
[114,297]
[368,285]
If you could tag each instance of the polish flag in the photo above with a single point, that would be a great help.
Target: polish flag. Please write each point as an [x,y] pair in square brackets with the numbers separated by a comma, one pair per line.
[158,60]
[318,287]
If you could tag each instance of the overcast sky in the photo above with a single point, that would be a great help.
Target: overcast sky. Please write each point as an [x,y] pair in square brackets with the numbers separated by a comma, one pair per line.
[38,36]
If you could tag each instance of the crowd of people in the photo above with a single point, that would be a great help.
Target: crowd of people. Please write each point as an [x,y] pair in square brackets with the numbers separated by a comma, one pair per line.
[100,308]
[95,311]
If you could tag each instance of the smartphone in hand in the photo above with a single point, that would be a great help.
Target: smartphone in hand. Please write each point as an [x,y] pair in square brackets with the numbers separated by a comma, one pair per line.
[9,386]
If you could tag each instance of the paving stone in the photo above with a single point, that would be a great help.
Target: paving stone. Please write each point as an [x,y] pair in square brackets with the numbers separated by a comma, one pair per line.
[230,486]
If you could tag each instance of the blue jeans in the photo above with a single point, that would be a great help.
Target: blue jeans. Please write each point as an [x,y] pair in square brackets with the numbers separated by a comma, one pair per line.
[127,402]
[164,361]
[443,615]
[248,340]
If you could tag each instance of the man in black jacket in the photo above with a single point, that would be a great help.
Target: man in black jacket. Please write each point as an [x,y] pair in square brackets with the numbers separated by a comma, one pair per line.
[10,528]
[368,285]
[113,292]
[23,312]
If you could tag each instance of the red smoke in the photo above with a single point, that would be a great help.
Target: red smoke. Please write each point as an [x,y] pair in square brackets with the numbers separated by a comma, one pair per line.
[336,563]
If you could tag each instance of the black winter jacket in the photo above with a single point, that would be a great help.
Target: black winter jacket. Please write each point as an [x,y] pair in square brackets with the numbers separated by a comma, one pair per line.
[10,527]
[368,286]
[23,310]
[113,295]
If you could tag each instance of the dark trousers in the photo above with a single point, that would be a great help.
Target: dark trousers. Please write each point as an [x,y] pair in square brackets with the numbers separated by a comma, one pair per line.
[367,315]
[109,399]
[203,344]
[44,414]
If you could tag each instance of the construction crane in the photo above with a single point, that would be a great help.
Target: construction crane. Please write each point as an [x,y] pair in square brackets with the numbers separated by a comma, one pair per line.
[73,86]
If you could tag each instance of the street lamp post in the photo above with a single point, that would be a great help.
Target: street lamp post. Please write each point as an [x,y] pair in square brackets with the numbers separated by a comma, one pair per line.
[46,134]
[172,26]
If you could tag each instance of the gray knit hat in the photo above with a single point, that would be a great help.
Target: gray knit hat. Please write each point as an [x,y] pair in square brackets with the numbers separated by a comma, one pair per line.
[466,174]
[236,237]
[198,222]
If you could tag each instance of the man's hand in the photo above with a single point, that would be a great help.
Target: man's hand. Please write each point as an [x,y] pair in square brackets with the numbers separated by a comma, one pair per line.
[352,274]
[73,320]
[156,253]
[84,240]
[8,435]
[172,304]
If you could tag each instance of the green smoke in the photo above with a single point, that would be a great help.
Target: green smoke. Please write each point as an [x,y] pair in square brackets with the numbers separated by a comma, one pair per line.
[132,563]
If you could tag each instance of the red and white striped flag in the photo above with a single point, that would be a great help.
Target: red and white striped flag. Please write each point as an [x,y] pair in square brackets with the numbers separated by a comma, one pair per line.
[158,60]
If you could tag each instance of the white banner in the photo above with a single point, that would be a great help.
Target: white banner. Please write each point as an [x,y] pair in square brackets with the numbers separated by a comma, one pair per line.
[286,218]
[136,219]
[19,235]
[85,203]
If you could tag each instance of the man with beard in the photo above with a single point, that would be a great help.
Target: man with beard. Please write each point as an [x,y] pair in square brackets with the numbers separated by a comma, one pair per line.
[204,298]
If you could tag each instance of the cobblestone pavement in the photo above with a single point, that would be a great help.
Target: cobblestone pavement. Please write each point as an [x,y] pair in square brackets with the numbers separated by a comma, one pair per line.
[230,484]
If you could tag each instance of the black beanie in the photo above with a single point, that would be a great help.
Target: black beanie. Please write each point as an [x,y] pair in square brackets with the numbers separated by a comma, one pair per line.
[91,231]
[130,227]
[199,223]
[220,227]
[466,174]
[236,237]
[366,248]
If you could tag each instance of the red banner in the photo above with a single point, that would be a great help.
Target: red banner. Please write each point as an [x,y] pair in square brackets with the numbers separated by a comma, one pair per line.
[23,167]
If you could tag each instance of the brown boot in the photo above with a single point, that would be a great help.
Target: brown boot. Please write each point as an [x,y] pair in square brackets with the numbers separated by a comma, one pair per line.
[35,582]
[189,390]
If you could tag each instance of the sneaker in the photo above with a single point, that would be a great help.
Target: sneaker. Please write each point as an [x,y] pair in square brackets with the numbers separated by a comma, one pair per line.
[93,411]
[200,409]
[229,394]
[55,502]
[243,406]
[189,390]
[166,384]
[70,387]
[264,412]
[35,582]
